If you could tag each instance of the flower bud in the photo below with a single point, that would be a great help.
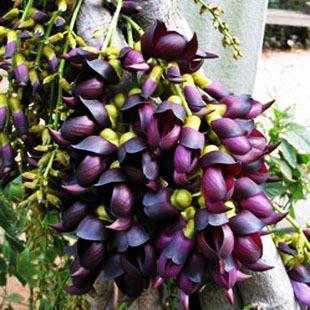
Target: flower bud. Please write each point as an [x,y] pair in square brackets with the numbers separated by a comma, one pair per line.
[21,71]
[181,199]
[130,7]
[132,60]
[9,15]
[3,111]
[193,96]
[34,81]
[49,53]
[151,82]
[18,117]
[173,73]
[11,44]
[38,16]
[6,152]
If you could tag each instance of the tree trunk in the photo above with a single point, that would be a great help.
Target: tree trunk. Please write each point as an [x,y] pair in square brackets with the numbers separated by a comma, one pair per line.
[267,290]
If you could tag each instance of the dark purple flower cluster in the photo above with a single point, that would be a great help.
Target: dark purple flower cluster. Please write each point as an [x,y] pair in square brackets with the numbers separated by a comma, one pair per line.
[294,250]
[167,180]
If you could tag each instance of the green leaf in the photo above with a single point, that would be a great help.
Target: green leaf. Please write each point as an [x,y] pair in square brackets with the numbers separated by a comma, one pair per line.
[15,298]
[299,137]
[274,190]
[289,153]
[284,169]
[25,267]
[14,190]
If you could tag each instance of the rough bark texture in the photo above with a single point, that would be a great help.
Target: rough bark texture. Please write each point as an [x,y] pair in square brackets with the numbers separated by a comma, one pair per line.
[268,290]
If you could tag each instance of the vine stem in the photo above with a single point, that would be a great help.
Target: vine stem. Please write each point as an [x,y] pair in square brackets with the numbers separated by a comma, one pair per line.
[178,91]
[289,219]
[47,34]
[129,34]
[111,32]
[134,25]
[26,11]
[218,23]
[63,62]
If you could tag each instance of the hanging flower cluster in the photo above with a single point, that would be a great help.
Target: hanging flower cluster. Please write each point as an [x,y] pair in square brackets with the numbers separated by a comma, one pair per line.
[167,179]
[32,38]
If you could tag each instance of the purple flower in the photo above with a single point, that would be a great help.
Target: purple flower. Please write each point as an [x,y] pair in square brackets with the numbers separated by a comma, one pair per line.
[92,88]
[138,112]
[216,242]
[77,128]
[131,7]
[190,278]
[90,168]
[173,258]
[72,216]
[132,60]
[157,205]
[3,111]
[228,279]
[165,128]
[138,163]
[158,42]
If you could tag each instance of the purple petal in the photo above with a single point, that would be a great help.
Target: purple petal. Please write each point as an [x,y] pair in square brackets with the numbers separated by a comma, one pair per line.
[91,228]
[245,223]
[258,204]
[191,138]
[89,170]
[104,69]
[77,127]
[98,111]
[115,175]
[95,145]
[90,89]
[302,292]
[157,205]
[248,248]
[122,201]
[300,274]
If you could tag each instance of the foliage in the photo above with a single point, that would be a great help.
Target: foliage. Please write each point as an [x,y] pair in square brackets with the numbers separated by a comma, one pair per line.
[277,36]
[291,162]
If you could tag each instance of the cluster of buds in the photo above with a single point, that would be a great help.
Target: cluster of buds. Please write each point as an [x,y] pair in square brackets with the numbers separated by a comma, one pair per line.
[166,179]
[294,249]
[25,28]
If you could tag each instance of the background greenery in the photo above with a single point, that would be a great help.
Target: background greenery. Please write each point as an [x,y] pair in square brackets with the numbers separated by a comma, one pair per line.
[285,37]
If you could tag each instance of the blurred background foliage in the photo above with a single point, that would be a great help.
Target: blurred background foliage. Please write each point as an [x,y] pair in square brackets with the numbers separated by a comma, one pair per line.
[285,37]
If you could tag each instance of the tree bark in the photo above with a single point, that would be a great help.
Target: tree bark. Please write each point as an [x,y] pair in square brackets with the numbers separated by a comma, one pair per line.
[267,290]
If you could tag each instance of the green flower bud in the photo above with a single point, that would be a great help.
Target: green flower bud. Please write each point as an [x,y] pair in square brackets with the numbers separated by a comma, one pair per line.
[156,73]
[209,148]
[103,215]
[189,213]
[201,80]
[134,91]
[56,37]
[71,40]
[113,113]
[110,135]
[11,14]
[119,100]
[181,199]
[192,121]
[64,84]
[27,24]
[116,64]
[175,99]
[127,136]
[189,229]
